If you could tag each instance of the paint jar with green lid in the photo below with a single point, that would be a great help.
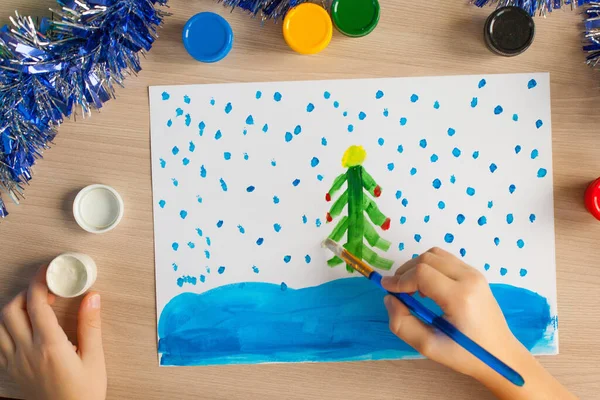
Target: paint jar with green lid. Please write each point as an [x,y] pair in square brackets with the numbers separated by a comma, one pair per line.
[355,18]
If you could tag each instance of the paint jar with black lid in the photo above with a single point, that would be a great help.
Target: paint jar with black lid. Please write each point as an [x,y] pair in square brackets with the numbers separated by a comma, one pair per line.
[509,31]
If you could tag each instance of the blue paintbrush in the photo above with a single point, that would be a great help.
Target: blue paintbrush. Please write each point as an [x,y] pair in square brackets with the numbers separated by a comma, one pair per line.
[428,316]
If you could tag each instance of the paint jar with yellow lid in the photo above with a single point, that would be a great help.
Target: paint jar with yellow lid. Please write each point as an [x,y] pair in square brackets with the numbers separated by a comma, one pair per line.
[307,28]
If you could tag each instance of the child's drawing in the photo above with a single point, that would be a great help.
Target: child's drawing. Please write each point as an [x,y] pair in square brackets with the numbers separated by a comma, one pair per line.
[359,204]
[239,172]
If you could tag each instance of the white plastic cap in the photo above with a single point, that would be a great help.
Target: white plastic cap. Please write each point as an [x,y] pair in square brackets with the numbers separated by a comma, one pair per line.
[98,208]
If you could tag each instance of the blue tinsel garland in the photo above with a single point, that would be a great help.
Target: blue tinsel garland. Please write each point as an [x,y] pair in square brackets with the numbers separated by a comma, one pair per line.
[52,70]
[592,34]
[533,7]
[266,9]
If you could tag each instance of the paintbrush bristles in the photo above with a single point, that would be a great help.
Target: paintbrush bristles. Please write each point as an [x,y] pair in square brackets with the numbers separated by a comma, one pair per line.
[349,258]
[335,248]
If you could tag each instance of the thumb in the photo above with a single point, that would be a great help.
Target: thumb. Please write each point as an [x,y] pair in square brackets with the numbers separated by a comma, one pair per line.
[89,333]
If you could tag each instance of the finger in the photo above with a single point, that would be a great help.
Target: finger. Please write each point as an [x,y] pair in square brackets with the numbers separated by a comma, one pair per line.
[7,346]
[444,262]
[426,280]
[45,325]
[14,316]
[408,328]
[410,264]
[89,333]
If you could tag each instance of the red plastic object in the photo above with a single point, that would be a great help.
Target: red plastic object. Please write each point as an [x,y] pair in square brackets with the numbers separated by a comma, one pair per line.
[592,198]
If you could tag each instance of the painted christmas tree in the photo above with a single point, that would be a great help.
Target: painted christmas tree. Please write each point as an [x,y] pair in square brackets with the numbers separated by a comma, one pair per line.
[359,203]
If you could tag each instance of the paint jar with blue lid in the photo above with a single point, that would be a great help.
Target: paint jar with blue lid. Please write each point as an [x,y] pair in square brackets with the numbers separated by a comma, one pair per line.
[207,37]
[509,31]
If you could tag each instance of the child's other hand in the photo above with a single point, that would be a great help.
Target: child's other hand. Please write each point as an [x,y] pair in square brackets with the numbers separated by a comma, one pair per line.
[467,301]
[35,350]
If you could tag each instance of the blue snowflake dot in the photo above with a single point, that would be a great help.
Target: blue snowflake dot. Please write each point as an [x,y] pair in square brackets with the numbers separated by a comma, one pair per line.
[534,154]
[517,149]
[531,84]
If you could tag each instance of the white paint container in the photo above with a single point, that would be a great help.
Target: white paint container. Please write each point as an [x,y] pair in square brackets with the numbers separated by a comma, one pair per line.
[71,274]
[98,208]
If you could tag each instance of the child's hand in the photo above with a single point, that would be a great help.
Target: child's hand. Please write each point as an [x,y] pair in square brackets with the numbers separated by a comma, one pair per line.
[37,354]
[467,301]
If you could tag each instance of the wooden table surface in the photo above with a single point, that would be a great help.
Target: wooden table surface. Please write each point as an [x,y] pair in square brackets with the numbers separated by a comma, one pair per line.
[113,147]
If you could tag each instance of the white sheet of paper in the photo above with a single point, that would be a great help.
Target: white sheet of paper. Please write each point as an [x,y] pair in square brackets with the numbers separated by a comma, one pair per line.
[484,133]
